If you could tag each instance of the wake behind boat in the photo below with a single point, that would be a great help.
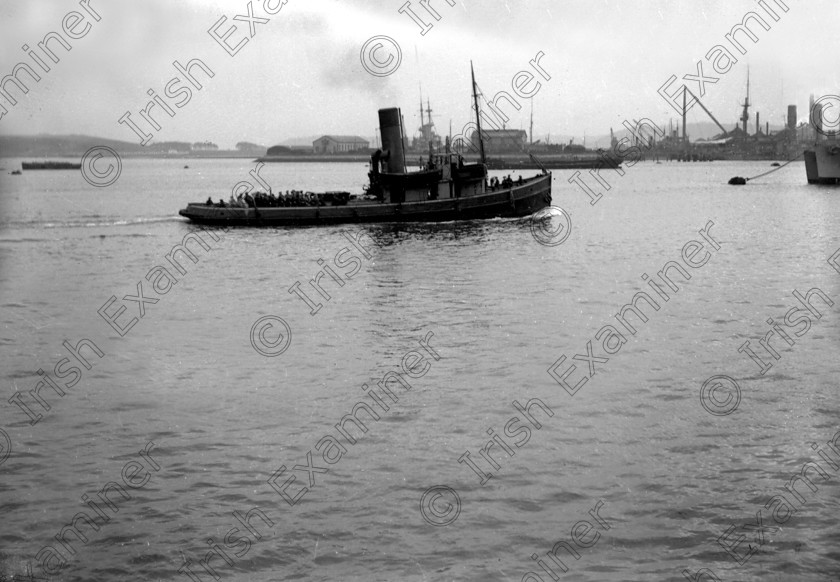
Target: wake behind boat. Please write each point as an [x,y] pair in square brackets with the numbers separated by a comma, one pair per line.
[445,189]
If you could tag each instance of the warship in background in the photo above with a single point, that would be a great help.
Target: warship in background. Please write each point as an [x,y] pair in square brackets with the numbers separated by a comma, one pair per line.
[822,163]
[822,160]
[428,137]
[737,143]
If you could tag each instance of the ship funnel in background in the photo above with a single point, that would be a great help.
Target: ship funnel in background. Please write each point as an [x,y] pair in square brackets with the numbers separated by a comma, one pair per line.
[390,127]
[791,121]
[816,117]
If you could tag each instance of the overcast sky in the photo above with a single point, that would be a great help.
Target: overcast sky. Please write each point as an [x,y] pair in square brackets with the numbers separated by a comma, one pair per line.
[301,73]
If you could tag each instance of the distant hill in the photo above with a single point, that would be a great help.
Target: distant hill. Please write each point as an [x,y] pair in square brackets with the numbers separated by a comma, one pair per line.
[42,146]
[39,146]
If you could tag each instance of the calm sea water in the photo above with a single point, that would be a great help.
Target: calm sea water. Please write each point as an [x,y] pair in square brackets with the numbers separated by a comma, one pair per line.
[218,419]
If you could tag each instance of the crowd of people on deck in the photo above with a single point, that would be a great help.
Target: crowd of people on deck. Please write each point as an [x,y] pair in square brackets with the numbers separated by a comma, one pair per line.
[300,198]
[290,198]
[506,182]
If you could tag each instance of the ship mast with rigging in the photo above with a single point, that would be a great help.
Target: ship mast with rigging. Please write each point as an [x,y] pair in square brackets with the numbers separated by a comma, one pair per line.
[477,115]
[745,116]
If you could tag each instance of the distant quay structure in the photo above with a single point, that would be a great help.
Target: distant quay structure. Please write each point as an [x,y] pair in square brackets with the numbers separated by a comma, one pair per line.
[280,150]
[327,148]
[340,144]
[501,141]
[204,146]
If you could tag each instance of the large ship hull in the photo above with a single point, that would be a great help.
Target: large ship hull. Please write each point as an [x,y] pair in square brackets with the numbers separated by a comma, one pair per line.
[520,200]
[822,164]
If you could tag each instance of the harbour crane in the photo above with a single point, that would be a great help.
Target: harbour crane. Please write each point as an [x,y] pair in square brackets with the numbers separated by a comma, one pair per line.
[709,113]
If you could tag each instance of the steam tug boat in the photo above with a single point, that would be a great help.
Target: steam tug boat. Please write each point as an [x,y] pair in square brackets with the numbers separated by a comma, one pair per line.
[445,189]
